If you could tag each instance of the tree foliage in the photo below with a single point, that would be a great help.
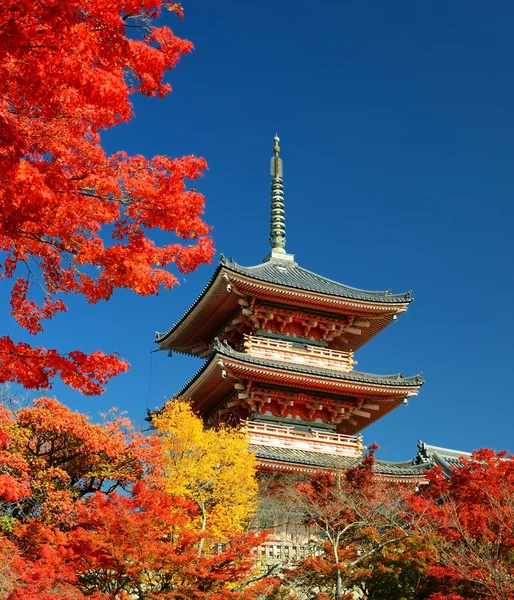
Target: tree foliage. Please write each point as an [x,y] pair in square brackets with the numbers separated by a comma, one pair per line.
[212,467]
[84,513]
[50,456]
[354,517]
[471,519]
[75,220]
[399,571]
[100,511]
[448,538]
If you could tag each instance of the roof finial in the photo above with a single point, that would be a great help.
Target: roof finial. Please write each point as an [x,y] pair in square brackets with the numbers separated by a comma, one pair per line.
[278,222]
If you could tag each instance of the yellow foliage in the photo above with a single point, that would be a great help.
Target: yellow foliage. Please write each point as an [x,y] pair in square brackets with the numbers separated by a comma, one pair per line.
[212,467]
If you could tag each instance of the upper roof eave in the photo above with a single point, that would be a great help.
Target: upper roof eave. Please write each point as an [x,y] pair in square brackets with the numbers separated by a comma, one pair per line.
[289,275]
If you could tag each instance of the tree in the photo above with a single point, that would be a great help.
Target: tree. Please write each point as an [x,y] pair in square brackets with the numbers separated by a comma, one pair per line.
[51,456]
[398,571]
[354,516]
[472,517]
[75,220]
[84,514]
[212,467]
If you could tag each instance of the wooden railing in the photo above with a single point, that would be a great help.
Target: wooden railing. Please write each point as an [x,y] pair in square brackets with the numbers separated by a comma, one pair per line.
[286,552]
[309,355]
[269,434]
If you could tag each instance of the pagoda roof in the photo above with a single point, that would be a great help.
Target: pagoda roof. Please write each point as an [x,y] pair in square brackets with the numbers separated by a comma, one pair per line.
[396,379]
[445,458]
[296,459]
[221,350]
[213,384]
[306,458]
[288,273]
[282,281]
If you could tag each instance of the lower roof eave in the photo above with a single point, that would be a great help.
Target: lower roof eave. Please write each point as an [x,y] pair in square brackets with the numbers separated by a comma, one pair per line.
[414,476]
[275,465]
[235,365]
[315,381]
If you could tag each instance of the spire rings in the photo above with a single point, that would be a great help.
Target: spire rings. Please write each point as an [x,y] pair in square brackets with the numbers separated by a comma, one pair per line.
[278,220]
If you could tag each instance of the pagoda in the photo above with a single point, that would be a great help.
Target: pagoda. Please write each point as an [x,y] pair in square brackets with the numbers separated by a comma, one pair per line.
[279,343]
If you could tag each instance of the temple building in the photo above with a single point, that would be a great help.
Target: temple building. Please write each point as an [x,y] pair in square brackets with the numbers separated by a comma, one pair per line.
[279,345]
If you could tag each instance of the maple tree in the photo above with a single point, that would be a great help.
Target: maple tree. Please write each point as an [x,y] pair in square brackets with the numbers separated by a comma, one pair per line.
[399,571]
[470,517]
[212,467]
[84,514]
[354,516]
[75,220]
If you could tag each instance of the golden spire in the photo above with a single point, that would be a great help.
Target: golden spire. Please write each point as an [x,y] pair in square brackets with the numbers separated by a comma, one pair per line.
[278,220]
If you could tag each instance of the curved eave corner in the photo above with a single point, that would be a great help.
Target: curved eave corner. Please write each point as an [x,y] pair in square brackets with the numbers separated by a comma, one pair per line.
[162,337]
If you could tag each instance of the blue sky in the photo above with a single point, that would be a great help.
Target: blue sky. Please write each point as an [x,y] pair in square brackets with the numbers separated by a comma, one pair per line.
[397,125]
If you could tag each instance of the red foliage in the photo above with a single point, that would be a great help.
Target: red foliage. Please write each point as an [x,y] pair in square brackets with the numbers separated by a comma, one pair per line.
[50,457]
[83,514]
[362,477]
[471,518]
[354,516]
[333,500]
[35,367]
[66,73]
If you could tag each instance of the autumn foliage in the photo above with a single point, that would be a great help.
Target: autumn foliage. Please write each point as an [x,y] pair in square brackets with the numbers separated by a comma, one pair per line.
[100,511]
[353,516]
[448,538]
[84,512]
[74,219]
[211,467]
[470,518]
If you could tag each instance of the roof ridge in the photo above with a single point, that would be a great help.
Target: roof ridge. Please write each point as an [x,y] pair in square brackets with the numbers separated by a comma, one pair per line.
[442,451]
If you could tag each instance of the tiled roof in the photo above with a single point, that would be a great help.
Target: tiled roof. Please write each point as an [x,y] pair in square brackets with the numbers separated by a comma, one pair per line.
[302,457]
[411,468]
[225,350]
[400,469]
[445,458]
[329,461]
[289,274]
[397,379]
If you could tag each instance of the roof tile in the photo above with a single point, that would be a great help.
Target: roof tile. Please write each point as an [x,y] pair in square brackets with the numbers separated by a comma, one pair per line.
[290,274]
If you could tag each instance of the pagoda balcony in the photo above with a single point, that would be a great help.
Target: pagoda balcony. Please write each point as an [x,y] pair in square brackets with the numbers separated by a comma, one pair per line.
[313,440]
[282,350]
[284,552]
